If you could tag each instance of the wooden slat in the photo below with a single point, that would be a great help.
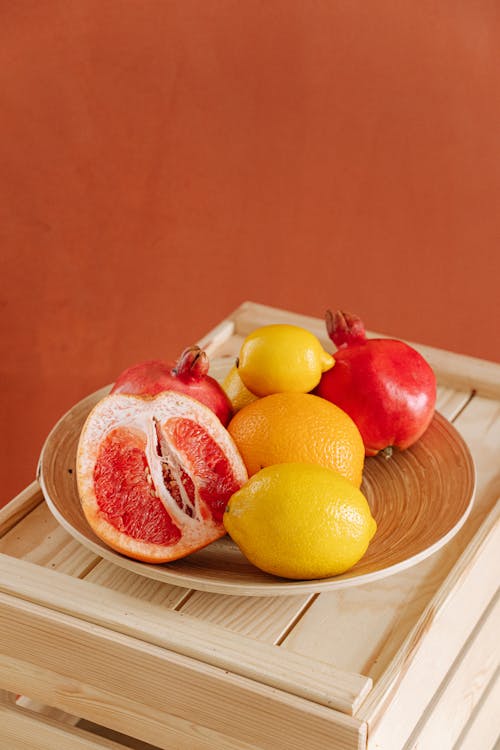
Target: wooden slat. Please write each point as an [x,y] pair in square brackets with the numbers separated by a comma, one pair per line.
[48,711]
[367,623]
[222,362]
[21,729]
[400,696]
[263,618]
[453,370]
[228,350]
[463,687]
[131,744]
[156,695]
[19,507]
[483,730]
[450,402]
[250,315]
[7,698]
[208,643]
[111,734]
[39,538]
[119,579]
[463,372]
[215,339]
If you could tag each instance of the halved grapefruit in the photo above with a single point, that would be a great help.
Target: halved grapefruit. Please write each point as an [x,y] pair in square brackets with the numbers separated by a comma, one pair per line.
[155,474]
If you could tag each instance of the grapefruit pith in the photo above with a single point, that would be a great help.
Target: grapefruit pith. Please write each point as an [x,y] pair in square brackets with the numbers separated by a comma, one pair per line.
[155,474]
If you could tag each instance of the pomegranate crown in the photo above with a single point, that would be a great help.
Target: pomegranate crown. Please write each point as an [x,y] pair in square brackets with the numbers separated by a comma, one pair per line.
[344,328]
[192,365]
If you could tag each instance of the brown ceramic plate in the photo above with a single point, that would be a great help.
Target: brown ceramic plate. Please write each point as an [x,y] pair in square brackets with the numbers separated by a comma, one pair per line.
[419,497]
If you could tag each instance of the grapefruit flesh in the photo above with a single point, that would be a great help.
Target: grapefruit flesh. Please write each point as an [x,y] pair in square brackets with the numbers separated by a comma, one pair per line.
[123,493]
[155,474]
[211,466]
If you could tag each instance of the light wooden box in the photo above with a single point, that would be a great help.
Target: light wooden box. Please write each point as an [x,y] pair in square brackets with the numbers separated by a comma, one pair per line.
[410,661]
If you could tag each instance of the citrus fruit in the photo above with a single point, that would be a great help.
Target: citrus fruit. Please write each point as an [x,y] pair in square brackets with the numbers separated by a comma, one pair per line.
[282,357]
[289,427]
[236,390]
[300,521]
[155,473]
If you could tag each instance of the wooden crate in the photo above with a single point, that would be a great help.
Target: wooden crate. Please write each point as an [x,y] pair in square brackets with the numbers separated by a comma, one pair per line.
[409,661]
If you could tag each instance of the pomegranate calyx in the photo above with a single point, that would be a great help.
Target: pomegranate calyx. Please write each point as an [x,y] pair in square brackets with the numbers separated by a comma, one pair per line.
[345,328]
[192,365]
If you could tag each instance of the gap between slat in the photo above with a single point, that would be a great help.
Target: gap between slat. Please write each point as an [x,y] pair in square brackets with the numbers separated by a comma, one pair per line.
[464,406]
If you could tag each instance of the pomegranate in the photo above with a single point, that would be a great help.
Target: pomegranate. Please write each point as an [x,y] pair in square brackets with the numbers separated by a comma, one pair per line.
[386,386]
[189,376]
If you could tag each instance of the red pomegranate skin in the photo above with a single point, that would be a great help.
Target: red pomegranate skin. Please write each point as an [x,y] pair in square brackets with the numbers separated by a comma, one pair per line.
[386,386]
[188,376]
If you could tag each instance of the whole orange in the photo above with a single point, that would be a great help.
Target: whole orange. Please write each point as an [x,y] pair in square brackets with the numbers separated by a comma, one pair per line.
[298,427]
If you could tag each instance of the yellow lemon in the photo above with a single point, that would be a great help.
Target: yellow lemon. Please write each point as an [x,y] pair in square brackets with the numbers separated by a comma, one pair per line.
[289,427]
[282,357]
[237,392]
[300,521]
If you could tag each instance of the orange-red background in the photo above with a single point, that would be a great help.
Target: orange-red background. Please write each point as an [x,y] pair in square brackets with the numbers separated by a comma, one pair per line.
[163,160]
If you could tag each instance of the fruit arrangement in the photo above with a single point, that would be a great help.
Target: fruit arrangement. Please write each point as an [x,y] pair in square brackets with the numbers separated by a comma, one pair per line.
[171,460]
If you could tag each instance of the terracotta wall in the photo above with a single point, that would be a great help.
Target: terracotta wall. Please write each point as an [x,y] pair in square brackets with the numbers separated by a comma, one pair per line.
[163,160]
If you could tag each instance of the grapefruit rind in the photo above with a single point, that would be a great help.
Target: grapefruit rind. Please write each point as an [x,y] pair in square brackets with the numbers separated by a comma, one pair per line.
[145,415]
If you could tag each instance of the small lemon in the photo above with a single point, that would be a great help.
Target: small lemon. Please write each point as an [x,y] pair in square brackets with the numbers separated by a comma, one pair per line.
[282,358]
[300,521]
[236,390]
